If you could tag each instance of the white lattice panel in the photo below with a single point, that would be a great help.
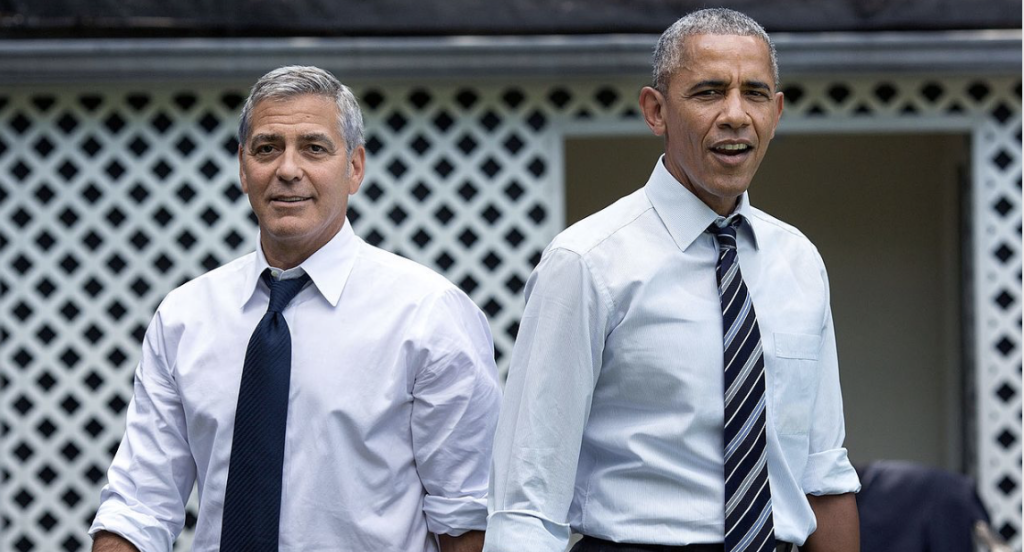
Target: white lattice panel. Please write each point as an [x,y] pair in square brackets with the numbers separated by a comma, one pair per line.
[990,111]
[111,197]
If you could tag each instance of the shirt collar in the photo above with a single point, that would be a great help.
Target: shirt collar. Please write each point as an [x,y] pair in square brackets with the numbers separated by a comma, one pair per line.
[328,267]
[684,214]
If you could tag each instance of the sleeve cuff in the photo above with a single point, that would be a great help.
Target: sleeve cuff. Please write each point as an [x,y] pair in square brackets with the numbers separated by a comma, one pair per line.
[829,472]
[144,531]
[515,531]
[455,516]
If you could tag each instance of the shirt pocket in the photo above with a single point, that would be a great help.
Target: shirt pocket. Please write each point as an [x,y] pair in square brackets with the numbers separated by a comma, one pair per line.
[796,381]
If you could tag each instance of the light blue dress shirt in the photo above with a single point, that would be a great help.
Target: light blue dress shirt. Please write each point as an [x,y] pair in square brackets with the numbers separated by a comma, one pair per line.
[612,420]
[392,406]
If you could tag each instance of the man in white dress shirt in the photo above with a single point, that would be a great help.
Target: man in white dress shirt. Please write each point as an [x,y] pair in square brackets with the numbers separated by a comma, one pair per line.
[393,394]
[612,425]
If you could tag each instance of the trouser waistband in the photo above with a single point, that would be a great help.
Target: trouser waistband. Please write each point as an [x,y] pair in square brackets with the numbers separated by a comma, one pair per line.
[593,544]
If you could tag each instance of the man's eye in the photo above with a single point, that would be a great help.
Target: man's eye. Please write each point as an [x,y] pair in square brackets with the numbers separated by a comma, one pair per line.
[316,148]
[263,149]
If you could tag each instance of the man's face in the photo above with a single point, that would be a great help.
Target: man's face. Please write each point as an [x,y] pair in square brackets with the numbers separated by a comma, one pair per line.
[298,175]
[717,116]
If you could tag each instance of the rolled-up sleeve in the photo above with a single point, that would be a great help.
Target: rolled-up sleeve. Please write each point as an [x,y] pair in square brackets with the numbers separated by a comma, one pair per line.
[456,398]
[547,403]
[828,469]
[152,474]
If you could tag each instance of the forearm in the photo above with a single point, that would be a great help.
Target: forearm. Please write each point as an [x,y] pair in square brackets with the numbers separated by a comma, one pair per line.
[471,541]
[105,541]
[838,524]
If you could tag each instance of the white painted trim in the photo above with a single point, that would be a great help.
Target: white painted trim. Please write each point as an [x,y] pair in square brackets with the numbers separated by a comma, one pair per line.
[205,59]
[951,124]
[558,206]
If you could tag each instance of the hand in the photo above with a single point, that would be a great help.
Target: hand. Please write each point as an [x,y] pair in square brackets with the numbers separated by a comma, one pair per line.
[838,524]
[105,541]
[471,541]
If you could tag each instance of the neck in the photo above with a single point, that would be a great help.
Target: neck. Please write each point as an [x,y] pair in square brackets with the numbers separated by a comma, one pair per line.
[284,259]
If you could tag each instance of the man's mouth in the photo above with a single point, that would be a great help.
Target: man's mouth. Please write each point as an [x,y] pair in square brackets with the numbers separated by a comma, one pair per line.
[290,199]
[731,149]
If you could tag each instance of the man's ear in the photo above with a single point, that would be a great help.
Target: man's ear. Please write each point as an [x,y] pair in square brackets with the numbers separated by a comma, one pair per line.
[652,105]
[780,100]
[241,170]
[356,169]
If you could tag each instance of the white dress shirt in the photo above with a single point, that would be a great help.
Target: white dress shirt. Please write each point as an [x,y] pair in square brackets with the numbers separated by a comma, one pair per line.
[613,412]
[393,402]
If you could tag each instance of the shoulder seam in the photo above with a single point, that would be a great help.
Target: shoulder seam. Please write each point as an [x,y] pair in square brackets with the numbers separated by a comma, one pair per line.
[602,287]
[589,248]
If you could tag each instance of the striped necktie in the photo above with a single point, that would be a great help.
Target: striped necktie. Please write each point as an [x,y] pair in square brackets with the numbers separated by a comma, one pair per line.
[252,499]
[748,498]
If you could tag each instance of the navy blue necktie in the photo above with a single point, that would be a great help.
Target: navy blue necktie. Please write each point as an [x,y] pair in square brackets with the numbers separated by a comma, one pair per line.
[748,498]
[252,500]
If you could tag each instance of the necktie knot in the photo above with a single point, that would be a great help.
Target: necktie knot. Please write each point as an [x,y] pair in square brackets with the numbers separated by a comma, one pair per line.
[283,291]
[725,234]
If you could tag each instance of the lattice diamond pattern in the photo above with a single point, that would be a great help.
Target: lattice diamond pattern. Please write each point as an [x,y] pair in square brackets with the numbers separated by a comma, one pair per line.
[991,109]
[104,211]
[108,199]
[454,183]
[997,212]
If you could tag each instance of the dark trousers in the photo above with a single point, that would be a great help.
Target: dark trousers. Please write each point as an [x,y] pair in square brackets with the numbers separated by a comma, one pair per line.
[591,544]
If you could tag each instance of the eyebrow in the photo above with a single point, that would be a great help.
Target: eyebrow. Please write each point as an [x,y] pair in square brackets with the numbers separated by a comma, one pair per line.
[316,137]
[710,83]
[309,137]
[758,85]
[265,138]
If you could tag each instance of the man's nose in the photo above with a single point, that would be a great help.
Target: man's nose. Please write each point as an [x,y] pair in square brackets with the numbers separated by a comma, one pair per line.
[290,167]
[734,111]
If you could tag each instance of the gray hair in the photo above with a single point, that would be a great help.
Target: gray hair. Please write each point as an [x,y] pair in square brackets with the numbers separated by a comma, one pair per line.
[296,80]
[711,21]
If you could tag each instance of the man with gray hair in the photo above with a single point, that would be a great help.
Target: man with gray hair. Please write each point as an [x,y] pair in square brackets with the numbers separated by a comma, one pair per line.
[324,394]
[674,384]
